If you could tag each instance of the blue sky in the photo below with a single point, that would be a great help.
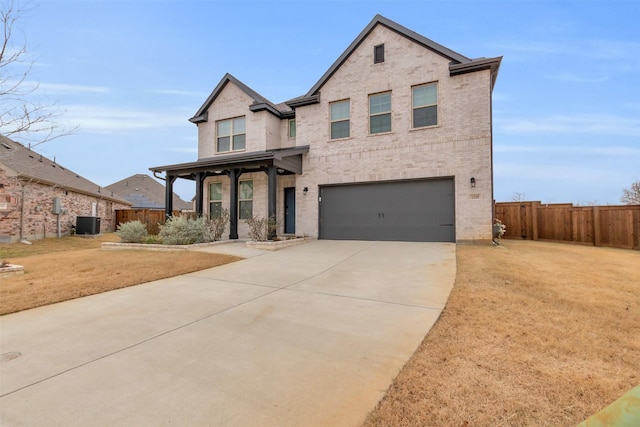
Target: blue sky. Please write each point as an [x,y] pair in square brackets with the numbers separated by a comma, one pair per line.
[130,73]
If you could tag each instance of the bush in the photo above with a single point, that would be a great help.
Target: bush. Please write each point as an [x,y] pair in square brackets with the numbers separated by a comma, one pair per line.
[216,226]
[132,232]
[181,230]
[260,230]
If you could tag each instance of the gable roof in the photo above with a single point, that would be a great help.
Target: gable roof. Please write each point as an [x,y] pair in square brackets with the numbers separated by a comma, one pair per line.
[145,192]
[459,63]
[260,103]
[30,165]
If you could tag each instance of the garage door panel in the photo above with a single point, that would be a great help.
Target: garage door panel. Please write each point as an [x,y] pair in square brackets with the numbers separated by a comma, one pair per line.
[402,211]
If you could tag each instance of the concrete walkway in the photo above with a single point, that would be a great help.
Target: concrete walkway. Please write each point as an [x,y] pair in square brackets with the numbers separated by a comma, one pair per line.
[310,335]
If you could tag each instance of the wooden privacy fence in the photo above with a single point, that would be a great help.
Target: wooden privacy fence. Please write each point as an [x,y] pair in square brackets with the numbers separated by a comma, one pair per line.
[613,226]
[150,217]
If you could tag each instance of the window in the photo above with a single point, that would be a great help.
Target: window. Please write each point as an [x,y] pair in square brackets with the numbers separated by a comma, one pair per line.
[380,113]
[425,105]
[340,119]
[215,200]
[231,134]
[245,195]
[292,128]
[378,54]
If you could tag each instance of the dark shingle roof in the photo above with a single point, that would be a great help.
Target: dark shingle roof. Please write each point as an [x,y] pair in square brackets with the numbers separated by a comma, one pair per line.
[31,165]
[260,103]
[145,192]
[459,64]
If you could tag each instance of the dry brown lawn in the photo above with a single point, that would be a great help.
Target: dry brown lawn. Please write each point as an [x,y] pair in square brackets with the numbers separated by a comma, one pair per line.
[72,267]
[534,334]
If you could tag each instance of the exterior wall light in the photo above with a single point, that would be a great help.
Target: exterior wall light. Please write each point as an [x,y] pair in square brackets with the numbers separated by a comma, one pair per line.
[305,190]
[473,182]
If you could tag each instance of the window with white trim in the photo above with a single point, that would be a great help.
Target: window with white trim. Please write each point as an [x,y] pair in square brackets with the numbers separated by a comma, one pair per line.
[292,128]
[230,135]
[245,197]
[340,119]
[380,113]
[215,200]
[425,105]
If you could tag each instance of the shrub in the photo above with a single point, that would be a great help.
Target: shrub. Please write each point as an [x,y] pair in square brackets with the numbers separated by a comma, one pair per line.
[215,226]
[261,229]
[181,230]
[132,232]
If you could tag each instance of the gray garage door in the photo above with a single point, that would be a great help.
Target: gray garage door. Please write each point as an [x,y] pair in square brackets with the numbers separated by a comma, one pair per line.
[416,211]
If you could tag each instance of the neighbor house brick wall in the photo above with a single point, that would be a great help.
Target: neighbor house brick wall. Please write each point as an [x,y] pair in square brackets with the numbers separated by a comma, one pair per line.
[30,216]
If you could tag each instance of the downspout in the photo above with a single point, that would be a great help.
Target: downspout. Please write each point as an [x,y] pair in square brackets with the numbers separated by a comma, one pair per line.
[22,213]
[493,201]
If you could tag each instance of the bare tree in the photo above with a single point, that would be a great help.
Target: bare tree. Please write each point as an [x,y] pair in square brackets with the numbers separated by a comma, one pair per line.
[517,197]
[631,196]
[21,114]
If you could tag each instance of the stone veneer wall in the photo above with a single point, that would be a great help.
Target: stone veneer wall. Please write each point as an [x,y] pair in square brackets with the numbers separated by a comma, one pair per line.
[35,200]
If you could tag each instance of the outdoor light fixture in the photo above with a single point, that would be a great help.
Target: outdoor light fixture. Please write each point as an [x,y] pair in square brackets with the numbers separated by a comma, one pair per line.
[473,182]
[305,190]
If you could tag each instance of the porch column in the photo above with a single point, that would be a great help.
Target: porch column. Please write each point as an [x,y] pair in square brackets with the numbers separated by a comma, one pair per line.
[199,193]
[234,174]
[272,173]
[168,196]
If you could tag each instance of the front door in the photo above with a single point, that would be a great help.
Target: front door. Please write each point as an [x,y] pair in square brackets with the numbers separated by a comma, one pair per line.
[290,210]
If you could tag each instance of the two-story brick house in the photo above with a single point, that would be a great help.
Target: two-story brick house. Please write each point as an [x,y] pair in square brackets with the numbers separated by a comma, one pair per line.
[394,142]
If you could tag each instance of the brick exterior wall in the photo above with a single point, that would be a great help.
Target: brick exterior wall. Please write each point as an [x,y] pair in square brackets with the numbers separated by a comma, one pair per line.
[30,205]
[458,147]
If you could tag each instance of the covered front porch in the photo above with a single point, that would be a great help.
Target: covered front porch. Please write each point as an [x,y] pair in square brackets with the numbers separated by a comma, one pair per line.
[273,163]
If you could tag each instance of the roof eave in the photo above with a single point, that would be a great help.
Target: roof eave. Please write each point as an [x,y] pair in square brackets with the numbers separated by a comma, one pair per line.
[303,100]
[492,64]
[202,113]
[75,190]
[393,26]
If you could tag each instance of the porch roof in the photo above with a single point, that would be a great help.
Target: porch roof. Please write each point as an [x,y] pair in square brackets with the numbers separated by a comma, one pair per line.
[287,159]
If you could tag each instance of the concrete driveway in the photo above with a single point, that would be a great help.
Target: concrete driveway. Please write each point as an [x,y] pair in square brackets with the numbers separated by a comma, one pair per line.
[311,335]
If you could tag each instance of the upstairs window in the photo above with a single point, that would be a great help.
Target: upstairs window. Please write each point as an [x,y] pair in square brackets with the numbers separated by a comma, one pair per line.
[215,200]
[231,135]
[378,54]
[425,105]
[245,197]
[340,119]
[292,128]
[380,113]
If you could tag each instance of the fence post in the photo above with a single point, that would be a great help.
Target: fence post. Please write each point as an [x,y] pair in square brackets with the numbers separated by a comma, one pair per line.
[534,220]
[597,239]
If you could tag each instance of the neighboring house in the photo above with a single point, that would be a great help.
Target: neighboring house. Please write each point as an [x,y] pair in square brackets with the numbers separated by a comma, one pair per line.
[144,192]
[394,142]
[41,198]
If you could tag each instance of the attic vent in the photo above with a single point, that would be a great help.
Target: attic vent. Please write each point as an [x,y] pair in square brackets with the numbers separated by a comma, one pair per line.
[31,156]
[378,54]
[7,146]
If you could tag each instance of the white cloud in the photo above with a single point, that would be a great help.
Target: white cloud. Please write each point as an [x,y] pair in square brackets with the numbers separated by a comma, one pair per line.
[115,119]
[68,89]
[599,124]
[596,49]
[575,78]
[179,92]
[618,150]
